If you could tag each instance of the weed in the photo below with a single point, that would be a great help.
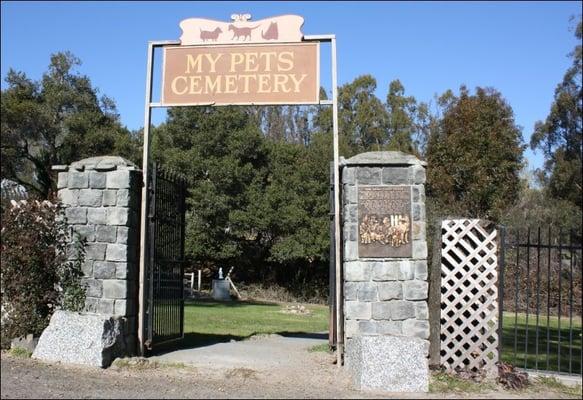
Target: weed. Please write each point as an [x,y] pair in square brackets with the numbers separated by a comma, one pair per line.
[552,383]
[324,347]
[442,382]
[20,352]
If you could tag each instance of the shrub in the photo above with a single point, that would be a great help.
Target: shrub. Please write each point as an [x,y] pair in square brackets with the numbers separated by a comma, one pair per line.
[37,276]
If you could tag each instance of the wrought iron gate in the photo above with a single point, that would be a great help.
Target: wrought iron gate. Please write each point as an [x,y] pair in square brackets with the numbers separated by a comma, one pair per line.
[166,231]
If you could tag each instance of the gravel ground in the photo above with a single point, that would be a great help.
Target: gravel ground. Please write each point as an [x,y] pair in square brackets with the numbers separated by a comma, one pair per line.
[302,375]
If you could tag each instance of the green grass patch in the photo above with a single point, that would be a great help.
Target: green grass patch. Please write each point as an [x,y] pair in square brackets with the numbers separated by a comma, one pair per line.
[207,322]
[551,383]
[324,347]
[20,352]
[532,343]
[443,382]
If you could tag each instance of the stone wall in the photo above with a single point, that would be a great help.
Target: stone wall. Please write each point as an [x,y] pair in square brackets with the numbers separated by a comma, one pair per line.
[102,197]
[384,296]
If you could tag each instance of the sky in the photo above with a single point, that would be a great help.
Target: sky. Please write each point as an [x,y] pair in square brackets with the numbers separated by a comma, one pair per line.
[519,48]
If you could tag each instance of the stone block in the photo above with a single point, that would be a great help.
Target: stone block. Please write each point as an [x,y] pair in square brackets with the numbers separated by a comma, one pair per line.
[123,197]
[104,270]
[367,327]
[386,271]
[87,268]
[121,308]
[118,216]
[351,327]
[390,290]
[357,271]
[416,328]
[94,287]
[77,338]
[419,249]
[115,289]
[96,216]
[406,270]
[109,198]
[415,290]
[351,290]
[97,180]
[348,176]
[90,197]
[421,310]
[393,364]
[105,306]
[350,232]
[421,270]
[351,215]
[123,236]
[91,304]
[418,194]
[350,250]
[78,180]
[106,233]
[95,251]
[367,291]
[357,310]
[395,176]
[418,174]
[401,309]
[85,232]
[368,176]
[119,179]
[69,197]
[121,270]
[350,194]
[381,310]
[118,252]
[76,215]
[62,180]
[389,327]
[418,231]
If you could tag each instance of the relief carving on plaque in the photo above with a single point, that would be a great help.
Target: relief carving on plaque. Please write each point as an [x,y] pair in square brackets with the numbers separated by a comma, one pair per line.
[384,221]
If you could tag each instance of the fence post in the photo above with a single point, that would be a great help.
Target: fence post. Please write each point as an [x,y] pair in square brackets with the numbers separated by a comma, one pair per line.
[501,266]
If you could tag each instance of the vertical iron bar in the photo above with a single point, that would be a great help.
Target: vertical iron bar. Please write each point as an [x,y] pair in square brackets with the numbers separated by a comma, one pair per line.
[152,257]
[559,313]
[537,297]
[571,303]
[501,264]
[516,274]
[527,297]
[549,300]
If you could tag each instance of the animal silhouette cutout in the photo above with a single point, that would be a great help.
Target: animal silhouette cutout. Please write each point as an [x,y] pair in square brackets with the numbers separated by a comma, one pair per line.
[210,35]
[271,33]
[241,32]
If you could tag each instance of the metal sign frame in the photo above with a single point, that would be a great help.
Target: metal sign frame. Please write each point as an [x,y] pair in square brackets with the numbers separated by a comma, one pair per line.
[145,173]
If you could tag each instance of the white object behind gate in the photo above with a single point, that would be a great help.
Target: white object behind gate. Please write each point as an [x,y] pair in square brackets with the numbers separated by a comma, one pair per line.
[469,295]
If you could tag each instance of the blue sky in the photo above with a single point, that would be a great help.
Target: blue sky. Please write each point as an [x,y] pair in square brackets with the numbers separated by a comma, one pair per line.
[519,48]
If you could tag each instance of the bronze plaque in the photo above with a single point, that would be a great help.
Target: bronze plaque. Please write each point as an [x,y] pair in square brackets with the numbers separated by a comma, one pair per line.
[241,74]
[384,221]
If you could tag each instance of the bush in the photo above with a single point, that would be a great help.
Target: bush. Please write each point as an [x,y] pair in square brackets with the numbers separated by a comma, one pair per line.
[36,275]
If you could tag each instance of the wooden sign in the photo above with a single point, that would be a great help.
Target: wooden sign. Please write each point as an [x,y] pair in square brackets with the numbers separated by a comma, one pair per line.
[280,29]
[384,221]
[238,75]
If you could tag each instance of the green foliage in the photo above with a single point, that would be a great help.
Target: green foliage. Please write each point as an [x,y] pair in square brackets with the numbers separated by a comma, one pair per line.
[20,352]
[560,135]
[475,155]
[36,276]
[57,120]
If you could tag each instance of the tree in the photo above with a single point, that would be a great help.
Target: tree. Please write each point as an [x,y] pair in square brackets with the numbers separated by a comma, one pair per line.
[56,120]
[475,156]
[560,135]
[401,113]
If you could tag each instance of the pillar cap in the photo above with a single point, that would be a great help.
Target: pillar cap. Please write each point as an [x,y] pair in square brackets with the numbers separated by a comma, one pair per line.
[383,158]
[101,163]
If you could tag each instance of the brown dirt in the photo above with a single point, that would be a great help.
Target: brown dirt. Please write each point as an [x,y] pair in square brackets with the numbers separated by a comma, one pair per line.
[28,378]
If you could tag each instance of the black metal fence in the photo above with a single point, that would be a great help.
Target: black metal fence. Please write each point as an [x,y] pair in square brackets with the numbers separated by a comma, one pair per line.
[166,234]
[541,300]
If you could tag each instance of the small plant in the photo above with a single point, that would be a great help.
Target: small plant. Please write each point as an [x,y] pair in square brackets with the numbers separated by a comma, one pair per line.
[20,352]
[40,271]
[324,347]
[510,377]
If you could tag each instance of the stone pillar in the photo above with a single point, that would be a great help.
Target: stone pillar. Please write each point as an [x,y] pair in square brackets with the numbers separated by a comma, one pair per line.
[386,321]
[101,196]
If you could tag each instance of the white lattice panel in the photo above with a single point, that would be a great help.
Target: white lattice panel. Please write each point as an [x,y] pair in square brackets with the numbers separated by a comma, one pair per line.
[469,295]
